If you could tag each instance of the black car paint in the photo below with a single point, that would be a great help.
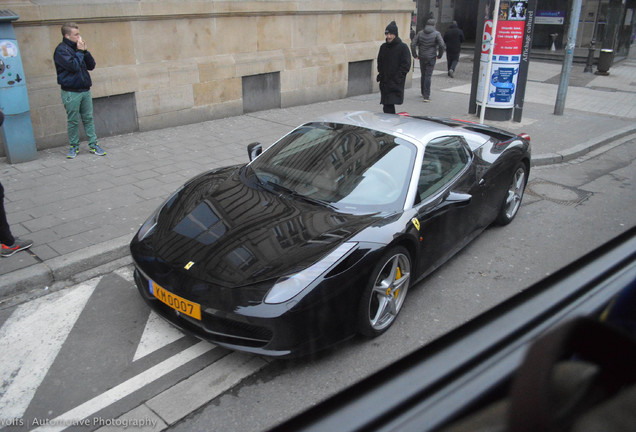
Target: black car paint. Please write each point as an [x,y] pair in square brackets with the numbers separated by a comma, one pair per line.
[251,216]
[231,296]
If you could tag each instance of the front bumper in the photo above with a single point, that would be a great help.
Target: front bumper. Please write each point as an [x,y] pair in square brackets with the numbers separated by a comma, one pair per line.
[290,329]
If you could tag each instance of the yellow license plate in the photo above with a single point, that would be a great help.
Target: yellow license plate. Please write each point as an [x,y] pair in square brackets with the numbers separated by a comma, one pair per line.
[175,302]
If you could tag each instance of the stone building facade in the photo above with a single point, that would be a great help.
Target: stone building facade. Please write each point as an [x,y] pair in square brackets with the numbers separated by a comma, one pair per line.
[163,63]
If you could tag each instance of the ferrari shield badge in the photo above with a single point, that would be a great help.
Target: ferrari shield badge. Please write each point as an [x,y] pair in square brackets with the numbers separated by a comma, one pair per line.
[416,223]
[188,265]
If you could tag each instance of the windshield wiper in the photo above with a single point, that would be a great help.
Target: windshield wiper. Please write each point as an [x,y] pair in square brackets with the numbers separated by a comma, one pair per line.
[315,201]
[297,195]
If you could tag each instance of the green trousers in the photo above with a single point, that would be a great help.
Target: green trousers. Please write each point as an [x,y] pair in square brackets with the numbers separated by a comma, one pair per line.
[79,105]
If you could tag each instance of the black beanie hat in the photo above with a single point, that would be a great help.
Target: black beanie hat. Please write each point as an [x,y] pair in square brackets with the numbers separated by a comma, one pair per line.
[392,28]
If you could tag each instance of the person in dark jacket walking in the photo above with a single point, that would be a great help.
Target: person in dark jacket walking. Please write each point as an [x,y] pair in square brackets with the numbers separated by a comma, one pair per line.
[428,46]
[72,63]
[394,63]
[453,39]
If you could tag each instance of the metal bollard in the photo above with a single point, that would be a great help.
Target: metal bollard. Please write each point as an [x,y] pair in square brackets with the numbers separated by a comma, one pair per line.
[605,59]
[590,57]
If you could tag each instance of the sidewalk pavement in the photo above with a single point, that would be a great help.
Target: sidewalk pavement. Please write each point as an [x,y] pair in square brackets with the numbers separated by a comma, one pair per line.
[82,213]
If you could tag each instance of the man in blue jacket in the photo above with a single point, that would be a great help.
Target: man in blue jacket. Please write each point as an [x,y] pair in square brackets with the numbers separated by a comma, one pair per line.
[72,63]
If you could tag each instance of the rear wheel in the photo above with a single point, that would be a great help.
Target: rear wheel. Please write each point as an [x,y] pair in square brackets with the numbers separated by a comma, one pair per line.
[385,293]
[514,195]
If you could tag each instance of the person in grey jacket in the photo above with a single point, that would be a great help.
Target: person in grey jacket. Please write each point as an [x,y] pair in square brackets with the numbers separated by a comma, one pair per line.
[427,46]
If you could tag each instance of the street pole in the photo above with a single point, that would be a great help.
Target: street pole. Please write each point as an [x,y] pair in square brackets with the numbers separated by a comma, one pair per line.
[482,16]
[569,54]
[484,95]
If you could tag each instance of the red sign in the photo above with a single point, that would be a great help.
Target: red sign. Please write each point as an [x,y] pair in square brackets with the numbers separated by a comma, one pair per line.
[509,39]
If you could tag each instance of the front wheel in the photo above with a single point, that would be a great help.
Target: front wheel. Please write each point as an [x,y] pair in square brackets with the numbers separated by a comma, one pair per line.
[384,295]
[514,195]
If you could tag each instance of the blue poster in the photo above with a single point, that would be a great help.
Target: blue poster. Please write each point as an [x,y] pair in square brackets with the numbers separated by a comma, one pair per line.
[503,80]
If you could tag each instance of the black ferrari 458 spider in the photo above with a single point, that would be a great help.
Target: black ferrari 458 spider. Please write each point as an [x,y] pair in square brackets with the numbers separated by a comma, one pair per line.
[320,236]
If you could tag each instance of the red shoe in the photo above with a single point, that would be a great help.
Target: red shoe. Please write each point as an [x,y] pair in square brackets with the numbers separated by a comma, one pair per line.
[17,246]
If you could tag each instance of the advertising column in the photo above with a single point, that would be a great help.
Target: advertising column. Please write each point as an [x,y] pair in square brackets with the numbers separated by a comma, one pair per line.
[507,53]
[17,130]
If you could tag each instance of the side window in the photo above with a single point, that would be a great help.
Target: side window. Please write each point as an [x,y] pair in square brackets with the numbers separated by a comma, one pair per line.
[444,158]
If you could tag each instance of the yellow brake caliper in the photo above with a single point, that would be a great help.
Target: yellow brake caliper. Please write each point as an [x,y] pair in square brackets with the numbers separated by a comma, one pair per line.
[398,276]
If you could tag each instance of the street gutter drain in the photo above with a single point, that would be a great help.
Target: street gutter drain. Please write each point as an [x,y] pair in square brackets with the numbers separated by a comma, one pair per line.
[564,195]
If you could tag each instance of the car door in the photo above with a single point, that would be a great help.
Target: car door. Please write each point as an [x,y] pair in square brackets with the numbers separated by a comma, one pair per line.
[447,200]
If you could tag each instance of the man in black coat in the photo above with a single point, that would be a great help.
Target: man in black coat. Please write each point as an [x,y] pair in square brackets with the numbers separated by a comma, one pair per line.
[394,63]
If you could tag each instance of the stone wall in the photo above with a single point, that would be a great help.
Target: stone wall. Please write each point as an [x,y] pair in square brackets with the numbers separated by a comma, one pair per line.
[183,61]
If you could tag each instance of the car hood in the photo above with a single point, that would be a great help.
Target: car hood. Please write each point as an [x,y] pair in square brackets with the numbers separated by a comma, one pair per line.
[225,228]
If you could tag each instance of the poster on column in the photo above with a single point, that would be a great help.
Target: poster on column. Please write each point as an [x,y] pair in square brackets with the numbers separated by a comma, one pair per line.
[505,62]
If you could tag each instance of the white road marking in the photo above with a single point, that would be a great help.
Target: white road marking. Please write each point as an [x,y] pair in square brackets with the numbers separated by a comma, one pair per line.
[31,339]
[157,334]
[111,396]
[126,273]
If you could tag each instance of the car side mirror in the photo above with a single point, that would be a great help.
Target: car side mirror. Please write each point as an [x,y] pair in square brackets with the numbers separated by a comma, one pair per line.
[456,199]
[254,149]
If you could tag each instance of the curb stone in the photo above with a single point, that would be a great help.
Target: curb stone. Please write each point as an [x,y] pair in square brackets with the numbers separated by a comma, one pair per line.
[75,267]
[583,148]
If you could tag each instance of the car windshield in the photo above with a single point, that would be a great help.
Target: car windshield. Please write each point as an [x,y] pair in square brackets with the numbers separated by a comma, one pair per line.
[352,168]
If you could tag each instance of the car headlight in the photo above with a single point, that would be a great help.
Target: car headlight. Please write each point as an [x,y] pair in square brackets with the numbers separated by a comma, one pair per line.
[148,227]
[289,286]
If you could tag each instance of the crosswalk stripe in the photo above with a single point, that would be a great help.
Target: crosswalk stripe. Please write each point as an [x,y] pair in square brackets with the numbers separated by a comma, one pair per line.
[30,341]
[122,390]
[126,273]
[157,334]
